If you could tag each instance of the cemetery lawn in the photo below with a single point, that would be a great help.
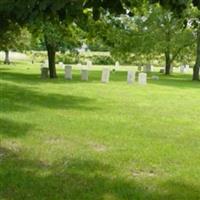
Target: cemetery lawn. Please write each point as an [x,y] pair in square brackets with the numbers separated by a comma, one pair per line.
[80,140]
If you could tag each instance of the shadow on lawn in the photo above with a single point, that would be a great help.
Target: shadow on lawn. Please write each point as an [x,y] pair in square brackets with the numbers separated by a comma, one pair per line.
[177,80]
[9,128]
[34,79]
[75,179]
[30,78]
[15,98]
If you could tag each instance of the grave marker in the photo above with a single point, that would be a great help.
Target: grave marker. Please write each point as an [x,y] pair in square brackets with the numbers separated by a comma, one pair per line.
[89,64]
[142,79]
[182,69]
[105,75]
[130,77]
[148,68]
[44,71]
[84,75]
[68,72]
[79,65]
[117,65]
[61,64]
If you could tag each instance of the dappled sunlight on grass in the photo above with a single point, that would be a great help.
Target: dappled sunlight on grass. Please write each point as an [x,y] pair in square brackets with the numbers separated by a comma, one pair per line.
[64,139]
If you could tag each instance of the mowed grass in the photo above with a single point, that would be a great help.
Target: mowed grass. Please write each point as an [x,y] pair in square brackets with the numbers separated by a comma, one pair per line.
[79,140]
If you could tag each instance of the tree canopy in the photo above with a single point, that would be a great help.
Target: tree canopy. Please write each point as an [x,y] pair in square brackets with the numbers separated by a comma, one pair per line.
[156,31]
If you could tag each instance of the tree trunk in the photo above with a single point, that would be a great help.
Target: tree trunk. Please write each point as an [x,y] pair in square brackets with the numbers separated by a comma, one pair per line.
[167,63]
[51,51]
[197,64]
[7,59]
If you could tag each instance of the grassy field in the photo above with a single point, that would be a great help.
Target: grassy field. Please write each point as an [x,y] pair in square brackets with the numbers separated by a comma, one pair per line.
[80,140]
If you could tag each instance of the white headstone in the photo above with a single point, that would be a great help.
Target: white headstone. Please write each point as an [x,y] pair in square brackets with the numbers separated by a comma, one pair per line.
[148,68]
[42,66]
[84,75]
[171,69]
[105,75]
[117,65]
[131,77]
[61,64]
[187,68]
[79,65]
[68,72]
[44,72]
[89,64]
[142,79]
[46,63]
[182,69]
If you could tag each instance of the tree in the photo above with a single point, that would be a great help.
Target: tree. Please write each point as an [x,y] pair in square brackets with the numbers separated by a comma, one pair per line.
[150,32]
[53,13]
[178,7]
[49,16]
[7,40]
[62,11]
[169,34]
[14,38]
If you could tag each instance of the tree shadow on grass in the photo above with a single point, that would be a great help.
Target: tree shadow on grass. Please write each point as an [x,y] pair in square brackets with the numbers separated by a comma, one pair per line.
[70,179]
[10,128]
[34,79]
[176,80]
[16,98]
[181,81]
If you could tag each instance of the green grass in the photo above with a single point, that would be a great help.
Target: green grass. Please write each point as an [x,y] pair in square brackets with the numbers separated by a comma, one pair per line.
[80,140]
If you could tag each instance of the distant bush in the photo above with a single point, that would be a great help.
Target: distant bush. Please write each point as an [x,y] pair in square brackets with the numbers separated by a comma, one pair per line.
[67,58]
[37,56]
[102,60]
[75,59]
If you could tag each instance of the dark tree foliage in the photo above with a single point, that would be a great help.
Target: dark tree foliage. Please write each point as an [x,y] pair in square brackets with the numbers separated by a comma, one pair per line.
[196,3]
[38,13]
[175,5]
[110,5]
[64,11]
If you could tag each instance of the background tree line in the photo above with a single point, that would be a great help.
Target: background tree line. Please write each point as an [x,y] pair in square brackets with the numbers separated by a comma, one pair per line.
[142,30]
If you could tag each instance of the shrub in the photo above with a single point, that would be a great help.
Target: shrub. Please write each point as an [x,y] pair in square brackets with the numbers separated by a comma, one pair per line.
[67,58]
[102,60]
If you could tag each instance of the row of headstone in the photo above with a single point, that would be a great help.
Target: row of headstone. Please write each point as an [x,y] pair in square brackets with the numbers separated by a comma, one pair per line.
[146,69]
[105,77]
[68,73]
[131,75]
[182,69]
